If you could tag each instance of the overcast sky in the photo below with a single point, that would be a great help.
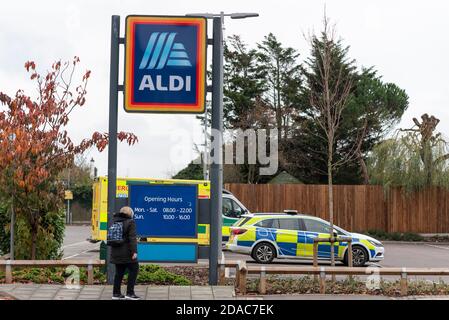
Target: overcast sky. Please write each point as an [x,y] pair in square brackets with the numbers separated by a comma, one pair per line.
[406,41]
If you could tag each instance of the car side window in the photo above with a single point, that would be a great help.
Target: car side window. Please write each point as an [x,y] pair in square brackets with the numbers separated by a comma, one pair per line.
[275,224]
[313,225]
[267,223]
[289,224]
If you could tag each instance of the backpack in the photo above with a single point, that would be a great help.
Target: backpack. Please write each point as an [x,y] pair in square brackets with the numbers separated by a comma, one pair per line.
[116,234]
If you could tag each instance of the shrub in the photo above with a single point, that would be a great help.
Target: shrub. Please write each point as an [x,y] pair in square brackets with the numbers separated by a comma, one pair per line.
[4,229]
[50,236]
[49,240]
[153,274]
[395,236]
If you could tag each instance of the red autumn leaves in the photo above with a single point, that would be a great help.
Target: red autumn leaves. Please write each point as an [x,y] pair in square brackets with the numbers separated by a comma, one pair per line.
[35,145]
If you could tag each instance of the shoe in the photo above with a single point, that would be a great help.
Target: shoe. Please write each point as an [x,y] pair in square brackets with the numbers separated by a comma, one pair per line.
[118,297]
[132,297]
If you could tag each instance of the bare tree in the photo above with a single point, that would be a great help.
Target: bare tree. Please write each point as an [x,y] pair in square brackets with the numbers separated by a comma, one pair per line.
[329,92]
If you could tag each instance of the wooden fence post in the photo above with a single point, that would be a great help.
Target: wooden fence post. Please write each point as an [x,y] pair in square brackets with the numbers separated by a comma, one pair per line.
[404,284]
[315,259]
[315,253]
[322,281]
[222,271]
[8,272]
[350,262]
[350,254]
[242,277]
[263,281]
[221,274]
[237,274]
[90,273]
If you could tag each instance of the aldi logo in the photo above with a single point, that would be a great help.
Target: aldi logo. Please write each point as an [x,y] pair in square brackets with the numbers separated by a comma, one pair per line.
[167,52]
[165,64]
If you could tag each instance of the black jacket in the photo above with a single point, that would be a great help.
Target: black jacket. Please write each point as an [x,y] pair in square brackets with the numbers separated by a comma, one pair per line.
[124,252]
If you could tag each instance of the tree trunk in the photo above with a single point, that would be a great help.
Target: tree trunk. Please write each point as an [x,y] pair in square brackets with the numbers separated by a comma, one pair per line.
[331,203]
[364,168]
[33,242]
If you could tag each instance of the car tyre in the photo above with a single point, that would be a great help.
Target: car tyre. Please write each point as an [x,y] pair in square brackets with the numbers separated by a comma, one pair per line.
[359,257]
[264,252]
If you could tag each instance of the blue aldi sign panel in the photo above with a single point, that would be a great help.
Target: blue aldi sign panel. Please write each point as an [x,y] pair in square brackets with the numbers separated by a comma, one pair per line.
[165,64]
[163,210]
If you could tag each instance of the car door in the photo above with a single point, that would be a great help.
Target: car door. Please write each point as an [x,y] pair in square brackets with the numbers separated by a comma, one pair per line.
[287,237]
[315,228]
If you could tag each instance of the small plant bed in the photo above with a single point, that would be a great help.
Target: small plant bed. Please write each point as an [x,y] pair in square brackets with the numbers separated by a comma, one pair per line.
[307,285]
[149,274]
[406,236]
[51,275]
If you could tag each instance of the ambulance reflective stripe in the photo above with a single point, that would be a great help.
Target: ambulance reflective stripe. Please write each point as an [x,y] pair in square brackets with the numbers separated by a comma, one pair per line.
[225,229]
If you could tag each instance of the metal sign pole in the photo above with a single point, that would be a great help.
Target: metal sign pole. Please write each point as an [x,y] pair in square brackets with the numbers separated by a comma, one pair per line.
[216,168]
[112,147]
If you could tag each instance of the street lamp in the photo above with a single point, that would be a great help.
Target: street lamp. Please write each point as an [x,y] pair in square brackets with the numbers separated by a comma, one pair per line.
[216,165]
[11,139]
[92,168]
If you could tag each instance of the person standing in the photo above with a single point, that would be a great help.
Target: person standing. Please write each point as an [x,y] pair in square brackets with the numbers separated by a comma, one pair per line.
[124,253]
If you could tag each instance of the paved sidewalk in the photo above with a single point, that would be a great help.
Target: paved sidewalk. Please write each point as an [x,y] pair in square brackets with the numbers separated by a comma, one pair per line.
[103,292]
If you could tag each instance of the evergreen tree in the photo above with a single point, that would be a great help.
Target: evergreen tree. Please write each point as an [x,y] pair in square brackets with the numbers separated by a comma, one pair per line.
[283,80]
[372,109]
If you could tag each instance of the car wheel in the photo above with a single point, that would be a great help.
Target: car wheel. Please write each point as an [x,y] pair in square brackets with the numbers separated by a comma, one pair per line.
[264,252]
[359,257]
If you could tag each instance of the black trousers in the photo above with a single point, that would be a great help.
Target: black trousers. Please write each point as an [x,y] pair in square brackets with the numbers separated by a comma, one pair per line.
[133,269]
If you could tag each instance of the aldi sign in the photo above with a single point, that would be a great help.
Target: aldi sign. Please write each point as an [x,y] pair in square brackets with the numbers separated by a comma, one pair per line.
[165,64]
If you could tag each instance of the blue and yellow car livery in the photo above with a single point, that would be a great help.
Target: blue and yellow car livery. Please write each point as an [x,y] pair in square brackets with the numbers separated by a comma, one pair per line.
[291,236]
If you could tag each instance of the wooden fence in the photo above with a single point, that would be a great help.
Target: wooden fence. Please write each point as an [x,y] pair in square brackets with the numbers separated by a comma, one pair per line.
[357,207]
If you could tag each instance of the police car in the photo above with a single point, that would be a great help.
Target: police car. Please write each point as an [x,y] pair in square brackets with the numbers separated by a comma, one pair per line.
[290,235]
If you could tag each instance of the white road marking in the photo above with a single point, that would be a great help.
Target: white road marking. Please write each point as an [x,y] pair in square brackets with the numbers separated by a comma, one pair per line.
[75,244]
[75,255]
[435,246]
[375,264]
